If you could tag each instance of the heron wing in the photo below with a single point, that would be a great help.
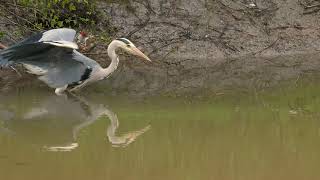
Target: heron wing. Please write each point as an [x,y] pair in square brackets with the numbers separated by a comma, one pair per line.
[37,44]
[53,35]
[59,67]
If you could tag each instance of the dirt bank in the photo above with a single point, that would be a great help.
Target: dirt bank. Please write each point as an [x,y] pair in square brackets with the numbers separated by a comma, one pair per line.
[214,44]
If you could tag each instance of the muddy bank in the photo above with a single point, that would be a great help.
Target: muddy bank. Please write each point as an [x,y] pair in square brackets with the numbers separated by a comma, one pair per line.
[244,74]
[217,28]
[217,44]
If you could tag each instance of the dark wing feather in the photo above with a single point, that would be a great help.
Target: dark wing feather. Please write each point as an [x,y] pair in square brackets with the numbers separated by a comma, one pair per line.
[37,44]
[24,51]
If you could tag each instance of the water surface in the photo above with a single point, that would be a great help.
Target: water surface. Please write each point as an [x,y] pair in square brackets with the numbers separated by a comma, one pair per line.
[264,135]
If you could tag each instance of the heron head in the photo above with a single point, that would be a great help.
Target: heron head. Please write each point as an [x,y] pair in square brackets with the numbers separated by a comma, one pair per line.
[129,47]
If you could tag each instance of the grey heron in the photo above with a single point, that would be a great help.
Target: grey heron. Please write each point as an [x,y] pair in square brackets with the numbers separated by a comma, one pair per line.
[52,56]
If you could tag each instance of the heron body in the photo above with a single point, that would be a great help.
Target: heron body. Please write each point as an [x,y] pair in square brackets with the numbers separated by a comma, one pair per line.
[53,57]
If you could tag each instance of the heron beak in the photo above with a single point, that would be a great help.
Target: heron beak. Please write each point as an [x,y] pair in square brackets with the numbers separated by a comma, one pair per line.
[137,52]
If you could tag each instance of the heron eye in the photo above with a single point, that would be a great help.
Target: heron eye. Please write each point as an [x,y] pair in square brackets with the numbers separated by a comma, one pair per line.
[128,45]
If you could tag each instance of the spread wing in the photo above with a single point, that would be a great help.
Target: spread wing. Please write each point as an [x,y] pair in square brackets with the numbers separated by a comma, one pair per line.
[38,44]
[62,37]
[52,57]
[59,66]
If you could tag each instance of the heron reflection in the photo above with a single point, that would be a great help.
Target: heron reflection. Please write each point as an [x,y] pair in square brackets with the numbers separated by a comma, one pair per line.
[62,115]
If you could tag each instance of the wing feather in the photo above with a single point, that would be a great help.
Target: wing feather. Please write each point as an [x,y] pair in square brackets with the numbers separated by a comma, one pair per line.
[59,67]
[38,44]
[61,34]
[52,57]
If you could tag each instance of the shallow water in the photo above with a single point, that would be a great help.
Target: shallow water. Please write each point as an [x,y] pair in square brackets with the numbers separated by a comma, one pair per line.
[266,135]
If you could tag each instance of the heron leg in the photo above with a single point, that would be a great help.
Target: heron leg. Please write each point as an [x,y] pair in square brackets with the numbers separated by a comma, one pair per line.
[83,102]
[60,91]
[78,97]
[79,87]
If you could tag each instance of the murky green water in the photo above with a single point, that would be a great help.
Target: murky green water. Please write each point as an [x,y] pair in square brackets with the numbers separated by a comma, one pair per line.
[269,135]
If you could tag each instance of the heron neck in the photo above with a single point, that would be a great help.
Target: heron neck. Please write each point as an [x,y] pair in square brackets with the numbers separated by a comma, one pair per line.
[114,61]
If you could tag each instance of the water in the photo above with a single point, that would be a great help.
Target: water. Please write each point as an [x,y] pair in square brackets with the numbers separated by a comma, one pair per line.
[264,135]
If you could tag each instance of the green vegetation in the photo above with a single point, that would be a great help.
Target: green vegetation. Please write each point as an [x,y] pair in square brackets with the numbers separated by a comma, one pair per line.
[1,35]
[58,13]
[29,16]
